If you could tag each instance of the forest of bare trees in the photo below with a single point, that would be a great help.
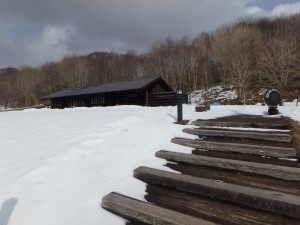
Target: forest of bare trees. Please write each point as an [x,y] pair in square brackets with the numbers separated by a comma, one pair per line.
[250,52]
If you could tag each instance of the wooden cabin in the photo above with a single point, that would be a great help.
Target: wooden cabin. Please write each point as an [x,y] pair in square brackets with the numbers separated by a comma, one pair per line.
[144,92]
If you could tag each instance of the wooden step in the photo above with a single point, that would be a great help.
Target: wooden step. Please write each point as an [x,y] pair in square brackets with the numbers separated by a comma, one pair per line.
[267,136]
[276,125]
[262,150]
[146,213]
[277,202]
[289,162]
[250,119]
[246,129]
[238,178]
[226,213]
[282,172]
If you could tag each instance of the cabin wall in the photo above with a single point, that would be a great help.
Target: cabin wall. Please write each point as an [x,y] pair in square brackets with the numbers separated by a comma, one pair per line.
[107,99]
[78,101]
[155,93]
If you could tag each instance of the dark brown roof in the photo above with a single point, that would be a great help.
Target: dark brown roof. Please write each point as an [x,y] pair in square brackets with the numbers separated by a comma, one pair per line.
[139,84]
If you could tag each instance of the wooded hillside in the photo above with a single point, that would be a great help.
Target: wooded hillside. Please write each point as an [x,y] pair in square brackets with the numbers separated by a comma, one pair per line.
[261,52]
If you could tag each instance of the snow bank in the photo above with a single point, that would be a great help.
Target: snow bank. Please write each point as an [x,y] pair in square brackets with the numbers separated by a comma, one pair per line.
[212,94]
[56,165]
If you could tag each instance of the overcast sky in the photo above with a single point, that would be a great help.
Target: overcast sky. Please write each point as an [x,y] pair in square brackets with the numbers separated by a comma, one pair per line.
[33,32]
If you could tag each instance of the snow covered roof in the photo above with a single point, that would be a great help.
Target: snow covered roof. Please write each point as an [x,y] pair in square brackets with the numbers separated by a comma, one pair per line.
[139,84]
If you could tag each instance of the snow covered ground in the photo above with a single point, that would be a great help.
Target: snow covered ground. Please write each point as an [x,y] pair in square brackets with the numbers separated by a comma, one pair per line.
[56,165]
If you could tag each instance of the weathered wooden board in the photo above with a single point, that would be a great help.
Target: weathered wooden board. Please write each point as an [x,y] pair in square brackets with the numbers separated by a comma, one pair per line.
[277,202]
[238,178]
[276,125]
[290,162]
[295,127]
[240,134]
[246,129]
[251,119]
[247,141]
[138,211]
[237,147]
[282,172]
[136,223]
[211,209]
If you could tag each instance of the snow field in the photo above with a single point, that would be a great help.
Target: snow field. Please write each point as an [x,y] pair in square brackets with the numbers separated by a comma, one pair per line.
[56,165]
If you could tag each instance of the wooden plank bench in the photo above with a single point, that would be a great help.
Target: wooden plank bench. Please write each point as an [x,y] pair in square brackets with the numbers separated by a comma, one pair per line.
[146,213]
[282,172]
[243,148]
[276,202]
[269,136]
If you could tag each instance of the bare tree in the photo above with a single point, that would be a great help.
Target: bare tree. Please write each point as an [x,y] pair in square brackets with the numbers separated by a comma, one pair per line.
[203,62]
[280,61]
[236,52]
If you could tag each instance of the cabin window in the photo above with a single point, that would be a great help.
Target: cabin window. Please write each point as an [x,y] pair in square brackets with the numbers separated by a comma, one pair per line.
[98,101]
[56,103]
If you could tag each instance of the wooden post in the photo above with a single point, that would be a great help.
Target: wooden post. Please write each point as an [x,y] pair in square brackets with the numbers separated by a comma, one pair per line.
[146,97]
[109,99]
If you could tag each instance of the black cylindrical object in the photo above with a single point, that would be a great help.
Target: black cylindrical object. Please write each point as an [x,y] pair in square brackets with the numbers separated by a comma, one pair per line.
[179,105]
[273,98]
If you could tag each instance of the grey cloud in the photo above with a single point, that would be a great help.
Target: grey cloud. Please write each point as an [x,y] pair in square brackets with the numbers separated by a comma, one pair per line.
[101,25]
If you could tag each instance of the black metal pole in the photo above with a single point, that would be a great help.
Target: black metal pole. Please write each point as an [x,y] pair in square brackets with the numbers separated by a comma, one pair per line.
[179,105]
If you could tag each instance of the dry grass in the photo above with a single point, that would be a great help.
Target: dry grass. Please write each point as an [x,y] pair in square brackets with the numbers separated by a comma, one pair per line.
[295,132]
